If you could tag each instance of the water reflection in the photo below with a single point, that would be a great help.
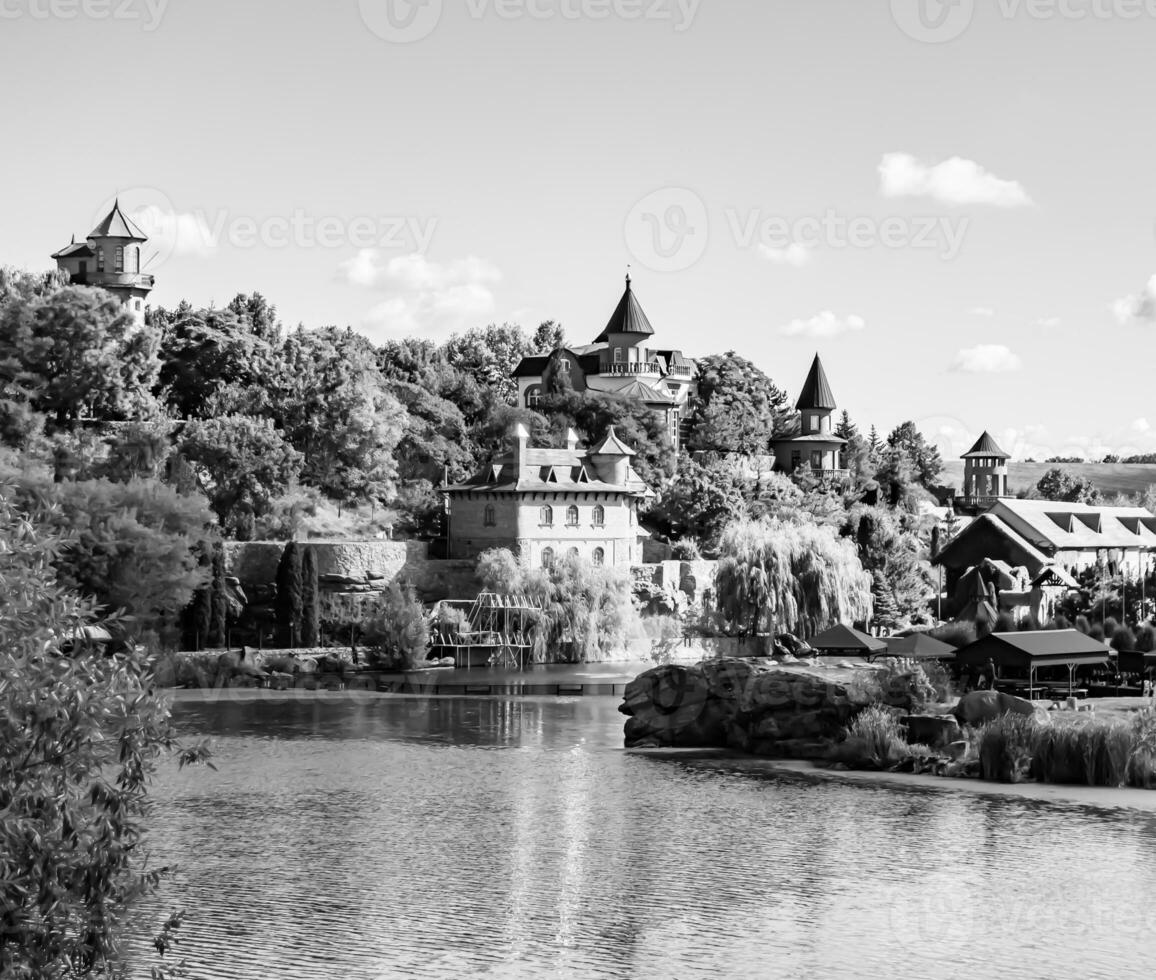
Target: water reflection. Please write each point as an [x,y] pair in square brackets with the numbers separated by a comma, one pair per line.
[467,837]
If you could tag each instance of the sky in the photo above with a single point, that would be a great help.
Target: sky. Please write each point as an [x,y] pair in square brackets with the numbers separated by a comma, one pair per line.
[953,202]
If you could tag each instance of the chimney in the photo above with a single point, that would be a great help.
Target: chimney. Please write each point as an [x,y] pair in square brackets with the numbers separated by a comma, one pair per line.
[520,442]
[571,440]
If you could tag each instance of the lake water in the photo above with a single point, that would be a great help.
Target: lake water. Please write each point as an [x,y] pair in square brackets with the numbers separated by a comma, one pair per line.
[378,837]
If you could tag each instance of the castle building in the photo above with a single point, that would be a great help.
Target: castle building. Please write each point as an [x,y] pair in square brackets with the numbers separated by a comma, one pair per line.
[620,363]
[810,443]
[547,504]
[110,257]
[985,473]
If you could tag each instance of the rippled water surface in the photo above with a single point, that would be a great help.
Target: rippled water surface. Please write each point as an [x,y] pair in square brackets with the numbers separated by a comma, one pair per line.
[473,837]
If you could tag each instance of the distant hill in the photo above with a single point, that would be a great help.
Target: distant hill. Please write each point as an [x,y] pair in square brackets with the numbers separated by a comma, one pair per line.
[1110,478]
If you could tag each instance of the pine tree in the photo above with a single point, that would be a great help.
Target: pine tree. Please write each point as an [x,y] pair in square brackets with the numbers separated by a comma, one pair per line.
[289,598]
[886,610]
[311,611]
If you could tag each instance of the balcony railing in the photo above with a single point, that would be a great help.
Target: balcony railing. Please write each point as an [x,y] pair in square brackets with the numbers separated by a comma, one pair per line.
[637,367]
[834,476]
[91,278]
[981,500]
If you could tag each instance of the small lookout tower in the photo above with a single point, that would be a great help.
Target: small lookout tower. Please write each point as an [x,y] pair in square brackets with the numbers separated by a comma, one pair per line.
[110,258]
[985,473]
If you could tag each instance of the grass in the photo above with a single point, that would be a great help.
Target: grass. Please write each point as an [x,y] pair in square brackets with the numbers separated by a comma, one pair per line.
[1111,478]
[873,740]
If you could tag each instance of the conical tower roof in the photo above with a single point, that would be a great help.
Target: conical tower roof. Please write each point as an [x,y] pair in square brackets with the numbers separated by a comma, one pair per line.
[816,392]
[116,225]
[627,318]
[986,448]
[613,446]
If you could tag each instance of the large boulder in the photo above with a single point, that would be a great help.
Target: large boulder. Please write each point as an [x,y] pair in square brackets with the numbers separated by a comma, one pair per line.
[979,707]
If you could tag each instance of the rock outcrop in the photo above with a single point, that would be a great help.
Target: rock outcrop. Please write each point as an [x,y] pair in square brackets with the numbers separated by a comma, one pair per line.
[752,706]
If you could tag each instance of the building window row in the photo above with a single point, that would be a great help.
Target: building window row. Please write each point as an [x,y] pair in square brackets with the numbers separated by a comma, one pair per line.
[573,516]
[550,557]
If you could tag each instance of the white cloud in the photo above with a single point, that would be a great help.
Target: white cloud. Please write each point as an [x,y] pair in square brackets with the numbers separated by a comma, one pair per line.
[1138,308]
[424,296]
[1142,426]
[984,311]
[1048,322]
[986,359]
[794,254]
[175,233]
[954,182]
[825,324]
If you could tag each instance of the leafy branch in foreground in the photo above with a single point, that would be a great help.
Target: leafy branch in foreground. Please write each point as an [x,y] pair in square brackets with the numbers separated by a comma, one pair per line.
[80,735]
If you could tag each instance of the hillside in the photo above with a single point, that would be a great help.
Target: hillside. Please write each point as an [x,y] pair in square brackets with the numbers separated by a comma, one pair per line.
[1111,479]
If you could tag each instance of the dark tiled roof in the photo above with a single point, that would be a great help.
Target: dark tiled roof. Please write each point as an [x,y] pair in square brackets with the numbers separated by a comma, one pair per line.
[532,367]
[1040,648]
[116,225]
[984,448]
[817,390]
[627,318]
[80,249]
[845,638]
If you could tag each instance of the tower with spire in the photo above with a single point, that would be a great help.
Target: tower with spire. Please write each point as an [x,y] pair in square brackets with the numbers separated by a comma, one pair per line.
[810,443]
[110,257]
[985,473]
[622,363]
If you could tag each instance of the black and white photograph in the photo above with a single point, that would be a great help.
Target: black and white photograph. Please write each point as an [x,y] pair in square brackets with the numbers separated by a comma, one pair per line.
[595,489]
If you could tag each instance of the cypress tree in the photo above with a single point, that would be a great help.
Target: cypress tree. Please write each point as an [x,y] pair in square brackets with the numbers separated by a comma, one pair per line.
[219,599]
[289,598]
[311,611]
[199,614]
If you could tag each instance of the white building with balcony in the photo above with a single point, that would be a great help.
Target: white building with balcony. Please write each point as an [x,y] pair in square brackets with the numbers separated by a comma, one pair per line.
[809,443]
[620,363]
[110,257]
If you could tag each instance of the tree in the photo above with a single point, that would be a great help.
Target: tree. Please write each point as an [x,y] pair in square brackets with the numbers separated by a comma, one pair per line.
[701,501]
[1060,485]
[397,633]
[310,601]
[290,597]
[736,407]
[80,355]
[886,612]
[547,338]
[489,355]
[889,546]
[80,736]
[798,577]
[239,460]
[923,457]
[857,453]
[129,546]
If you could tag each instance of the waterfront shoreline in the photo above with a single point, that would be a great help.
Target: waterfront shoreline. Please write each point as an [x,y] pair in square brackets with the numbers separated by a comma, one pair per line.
[1097,797]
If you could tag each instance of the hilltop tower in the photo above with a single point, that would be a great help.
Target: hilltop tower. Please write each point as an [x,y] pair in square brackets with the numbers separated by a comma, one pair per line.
[810,442]
[110,257]
[985,473]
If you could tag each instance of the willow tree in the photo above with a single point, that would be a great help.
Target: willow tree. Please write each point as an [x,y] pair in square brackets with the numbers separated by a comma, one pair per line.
[781,576]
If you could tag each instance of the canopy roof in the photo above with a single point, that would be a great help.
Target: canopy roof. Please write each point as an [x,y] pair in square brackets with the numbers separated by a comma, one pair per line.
[1041,648]
[844,639]
[986,448]
[116,225]
[816,393]
[919,646]
[627,318]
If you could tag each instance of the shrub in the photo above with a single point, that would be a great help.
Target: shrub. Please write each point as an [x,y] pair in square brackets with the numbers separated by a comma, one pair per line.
[1142,764]
[1006,747]
[1123,639]
[310,600]
[873,740]
[289,595]
[397,633]
[685,550]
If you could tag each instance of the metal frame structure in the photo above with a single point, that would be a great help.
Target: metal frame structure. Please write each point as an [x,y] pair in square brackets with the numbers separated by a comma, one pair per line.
[495,623]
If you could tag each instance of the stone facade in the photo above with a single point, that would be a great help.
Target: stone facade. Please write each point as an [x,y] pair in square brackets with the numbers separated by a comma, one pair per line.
[546,504]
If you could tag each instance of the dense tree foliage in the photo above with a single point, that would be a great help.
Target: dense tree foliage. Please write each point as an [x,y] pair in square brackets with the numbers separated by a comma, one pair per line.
[922,456]
[891,548]
[1060,485]
[80,736]
[736,408]
[781,576]
[700,502]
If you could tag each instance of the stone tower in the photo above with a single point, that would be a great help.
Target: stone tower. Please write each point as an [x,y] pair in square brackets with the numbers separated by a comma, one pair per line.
[985,473]
[110,257]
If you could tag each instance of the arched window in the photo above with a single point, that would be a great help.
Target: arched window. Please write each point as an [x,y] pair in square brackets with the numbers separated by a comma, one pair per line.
[599,516]
[599,557]
[546,517]
[572,516]
[136,258]
[120,258]
[534,396]
[547,557]
[100,259]
[491,516]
